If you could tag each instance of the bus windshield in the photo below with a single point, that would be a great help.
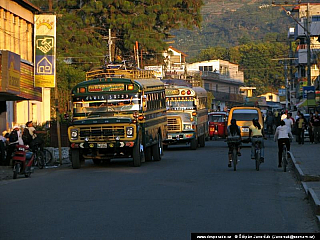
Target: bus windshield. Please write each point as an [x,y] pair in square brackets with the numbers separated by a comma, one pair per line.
[245,115]
[180,103]
[216,118]
[107,103]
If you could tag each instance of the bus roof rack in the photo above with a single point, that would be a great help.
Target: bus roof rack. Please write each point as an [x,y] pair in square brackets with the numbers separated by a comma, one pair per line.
[119,73]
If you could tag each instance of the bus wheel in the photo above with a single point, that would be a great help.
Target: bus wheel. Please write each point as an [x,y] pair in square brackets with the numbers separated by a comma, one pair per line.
[157,149]
[148,154]
[75,159]
[202,141]
[138,153]
[96,161]
[194,144]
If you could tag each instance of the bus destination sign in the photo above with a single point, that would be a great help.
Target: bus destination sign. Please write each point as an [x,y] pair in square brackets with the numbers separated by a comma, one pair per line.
[106,87]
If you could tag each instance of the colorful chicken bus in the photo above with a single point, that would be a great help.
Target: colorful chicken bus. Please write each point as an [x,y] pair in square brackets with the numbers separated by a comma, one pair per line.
[187,116]
[117,115]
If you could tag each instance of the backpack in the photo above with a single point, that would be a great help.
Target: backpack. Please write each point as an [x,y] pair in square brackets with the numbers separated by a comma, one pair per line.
[26,136]
[13,137]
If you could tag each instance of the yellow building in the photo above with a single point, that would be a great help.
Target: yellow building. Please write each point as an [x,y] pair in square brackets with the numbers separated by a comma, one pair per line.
[20,101]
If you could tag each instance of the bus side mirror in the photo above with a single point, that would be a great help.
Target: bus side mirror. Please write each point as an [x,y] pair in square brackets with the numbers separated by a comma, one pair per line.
[144,103]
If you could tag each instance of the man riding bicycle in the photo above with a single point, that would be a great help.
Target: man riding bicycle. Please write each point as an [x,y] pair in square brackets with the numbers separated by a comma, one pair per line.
[256,134]
[283,134]
[233,132]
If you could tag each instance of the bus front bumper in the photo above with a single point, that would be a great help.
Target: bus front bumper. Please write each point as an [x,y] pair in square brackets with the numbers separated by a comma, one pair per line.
[175,138]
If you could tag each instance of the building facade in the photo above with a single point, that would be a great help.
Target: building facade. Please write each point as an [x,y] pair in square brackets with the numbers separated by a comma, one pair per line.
[223,79]
[308,27]
[20,101]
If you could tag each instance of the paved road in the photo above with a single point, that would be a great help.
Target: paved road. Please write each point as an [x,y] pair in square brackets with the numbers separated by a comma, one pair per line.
[188,191]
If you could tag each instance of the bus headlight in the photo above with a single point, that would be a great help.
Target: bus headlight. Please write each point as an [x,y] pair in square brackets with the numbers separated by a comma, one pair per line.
[74,134]
[129,132]
[187,126]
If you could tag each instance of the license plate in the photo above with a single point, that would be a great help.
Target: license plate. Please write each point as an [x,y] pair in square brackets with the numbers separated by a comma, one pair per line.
[102,145]
[244,129]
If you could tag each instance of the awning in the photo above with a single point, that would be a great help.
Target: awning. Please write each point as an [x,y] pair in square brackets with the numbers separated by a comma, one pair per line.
[306,103]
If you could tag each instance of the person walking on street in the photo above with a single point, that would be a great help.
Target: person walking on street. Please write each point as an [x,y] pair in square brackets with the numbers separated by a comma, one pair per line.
[3,141]
[316,127]
[270,122]
[282,135]
[288,121]
[300,128]
[277,118]
[310,129]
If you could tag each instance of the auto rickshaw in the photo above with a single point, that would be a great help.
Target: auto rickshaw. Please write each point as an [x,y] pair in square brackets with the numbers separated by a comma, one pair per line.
[217,125]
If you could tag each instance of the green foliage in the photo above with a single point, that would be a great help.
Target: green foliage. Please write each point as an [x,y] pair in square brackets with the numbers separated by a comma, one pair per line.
[259,62]
[83,30]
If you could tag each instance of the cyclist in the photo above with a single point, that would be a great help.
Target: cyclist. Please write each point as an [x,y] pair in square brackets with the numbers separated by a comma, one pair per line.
[283,133]
[257,133]
[233,132]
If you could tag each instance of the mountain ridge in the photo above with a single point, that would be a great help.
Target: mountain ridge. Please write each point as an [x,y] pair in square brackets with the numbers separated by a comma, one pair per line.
[231,23]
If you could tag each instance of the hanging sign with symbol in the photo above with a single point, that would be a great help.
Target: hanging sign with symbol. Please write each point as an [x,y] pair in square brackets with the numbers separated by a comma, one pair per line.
[45,50]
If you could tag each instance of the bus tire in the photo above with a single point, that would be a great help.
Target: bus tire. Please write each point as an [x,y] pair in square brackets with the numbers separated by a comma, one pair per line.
[157,149]
[148,154]
[96,161]
[202,141]
[137,153]
[194,144]
[75,159]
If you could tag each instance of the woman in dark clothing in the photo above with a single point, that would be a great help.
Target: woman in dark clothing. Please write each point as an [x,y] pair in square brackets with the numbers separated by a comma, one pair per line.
[233,131]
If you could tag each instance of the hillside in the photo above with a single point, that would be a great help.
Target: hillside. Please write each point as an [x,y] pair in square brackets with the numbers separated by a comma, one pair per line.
[230,23]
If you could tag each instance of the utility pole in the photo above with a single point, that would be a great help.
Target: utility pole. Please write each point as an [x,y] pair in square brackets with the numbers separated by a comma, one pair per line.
[57,104]
[306,28]
[308,47]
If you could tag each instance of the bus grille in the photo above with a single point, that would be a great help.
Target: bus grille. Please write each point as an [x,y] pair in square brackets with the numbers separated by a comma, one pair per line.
[174,124]
[103,133]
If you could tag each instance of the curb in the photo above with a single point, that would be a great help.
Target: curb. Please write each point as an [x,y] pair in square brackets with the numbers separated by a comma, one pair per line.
[310,193]
[315,201]
[303,177]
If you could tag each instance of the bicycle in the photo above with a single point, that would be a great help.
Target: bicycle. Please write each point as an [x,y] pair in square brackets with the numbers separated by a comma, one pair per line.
[257,153]
[47,156]
[39,157]
[284,157]
[234,146]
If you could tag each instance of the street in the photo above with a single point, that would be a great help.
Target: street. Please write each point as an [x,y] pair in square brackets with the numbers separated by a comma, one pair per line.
[187,191]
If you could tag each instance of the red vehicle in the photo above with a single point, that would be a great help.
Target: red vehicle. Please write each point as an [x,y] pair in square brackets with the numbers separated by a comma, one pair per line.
[217,125]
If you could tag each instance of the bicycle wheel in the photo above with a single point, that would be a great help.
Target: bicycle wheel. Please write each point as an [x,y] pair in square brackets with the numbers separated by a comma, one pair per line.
[257,157]
[234,159]
[284,159]
[47,156]
[40,159]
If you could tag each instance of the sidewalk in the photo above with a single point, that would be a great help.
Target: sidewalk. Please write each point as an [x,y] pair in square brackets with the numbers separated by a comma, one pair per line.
[306,162]
[6,171]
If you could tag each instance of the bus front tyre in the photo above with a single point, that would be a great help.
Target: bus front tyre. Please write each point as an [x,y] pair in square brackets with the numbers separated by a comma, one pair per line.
[75,159]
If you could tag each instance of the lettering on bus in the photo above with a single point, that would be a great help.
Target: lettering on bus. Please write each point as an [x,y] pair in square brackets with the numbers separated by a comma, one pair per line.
[172,92]
[106,88]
